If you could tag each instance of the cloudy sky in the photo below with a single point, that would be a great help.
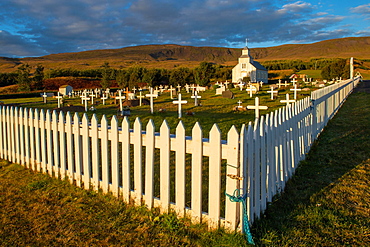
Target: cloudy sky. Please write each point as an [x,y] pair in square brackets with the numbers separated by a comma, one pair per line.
[36,28]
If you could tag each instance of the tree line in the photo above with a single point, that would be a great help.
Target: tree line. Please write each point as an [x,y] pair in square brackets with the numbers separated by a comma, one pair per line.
[297,65]
[127,77]
[134,76]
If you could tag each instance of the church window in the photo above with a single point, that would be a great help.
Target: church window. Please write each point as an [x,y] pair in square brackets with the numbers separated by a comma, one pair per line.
[243,66]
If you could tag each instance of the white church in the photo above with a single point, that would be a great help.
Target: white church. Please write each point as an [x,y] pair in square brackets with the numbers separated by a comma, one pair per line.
[247,67]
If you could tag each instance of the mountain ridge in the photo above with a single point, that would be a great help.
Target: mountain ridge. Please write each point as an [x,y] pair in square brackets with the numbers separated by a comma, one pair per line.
[172,55]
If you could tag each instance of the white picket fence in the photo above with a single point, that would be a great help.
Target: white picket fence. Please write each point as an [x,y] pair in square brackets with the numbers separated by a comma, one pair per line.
[189,175]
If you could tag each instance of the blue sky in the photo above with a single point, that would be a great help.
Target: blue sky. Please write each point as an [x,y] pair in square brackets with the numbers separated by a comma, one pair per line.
[36,28]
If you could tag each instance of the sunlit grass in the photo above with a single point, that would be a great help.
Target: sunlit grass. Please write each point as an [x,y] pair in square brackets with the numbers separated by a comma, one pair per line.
[37,210]
[213,109]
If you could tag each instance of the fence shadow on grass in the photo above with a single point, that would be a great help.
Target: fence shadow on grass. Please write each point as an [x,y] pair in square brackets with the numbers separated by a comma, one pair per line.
[309,212]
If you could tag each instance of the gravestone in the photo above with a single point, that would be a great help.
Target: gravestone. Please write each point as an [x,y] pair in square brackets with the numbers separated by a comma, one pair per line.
[228,94]
[220,90]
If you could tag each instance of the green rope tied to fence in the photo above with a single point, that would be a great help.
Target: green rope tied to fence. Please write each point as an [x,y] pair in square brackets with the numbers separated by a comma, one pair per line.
[236,197]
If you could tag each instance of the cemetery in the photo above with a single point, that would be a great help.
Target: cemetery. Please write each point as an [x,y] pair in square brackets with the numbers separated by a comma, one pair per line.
[208,106]
[154,141]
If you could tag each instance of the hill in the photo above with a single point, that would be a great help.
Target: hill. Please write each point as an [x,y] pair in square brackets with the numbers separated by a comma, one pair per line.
[170,56]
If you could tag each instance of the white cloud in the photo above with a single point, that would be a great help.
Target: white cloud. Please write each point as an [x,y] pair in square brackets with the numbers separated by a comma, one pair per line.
[362,9]
[65,26]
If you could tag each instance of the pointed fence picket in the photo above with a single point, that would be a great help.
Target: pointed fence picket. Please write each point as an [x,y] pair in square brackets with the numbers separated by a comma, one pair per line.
[256,162]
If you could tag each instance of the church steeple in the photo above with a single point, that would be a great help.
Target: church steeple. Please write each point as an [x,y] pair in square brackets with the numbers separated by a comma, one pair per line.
[245,51]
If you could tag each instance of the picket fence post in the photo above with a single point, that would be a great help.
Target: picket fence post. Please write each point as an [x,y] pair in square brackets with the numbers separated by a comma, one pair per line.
[104,154]
[196,173]
[180,149]
[95,154]
[126,159]
[62,146]
[149,164]
[2,133]
[114,155]
[2,136]
[16,135]
[78,150]
[70,150]
[263,163]
[27,135]
[232,209]
[56,144]
[214,186]
[138,184]
[86,156]
[49,144]
[164,144]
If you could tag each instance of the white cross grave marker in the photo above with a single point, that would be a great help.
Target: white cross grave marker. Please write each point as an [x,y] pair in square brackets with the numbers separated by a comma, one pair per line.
[193,87]
[179,88]
[272,92]
[250,90]
[179,102]
[59,97]
[240,104]
[241,85]
[151,96]
[287,100]
[196,97]
[295,89]
[279,84]
[140,98]
[82,96]
[171,91]
[45,96]
[85,99]
[105,96]
[120,97]
[227,83]
[294,81]
[257,107]
[92,95]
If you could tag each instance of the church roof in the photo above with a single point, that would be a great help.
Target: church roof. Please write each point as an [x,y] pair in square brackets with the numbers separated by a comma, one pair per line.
[257,65]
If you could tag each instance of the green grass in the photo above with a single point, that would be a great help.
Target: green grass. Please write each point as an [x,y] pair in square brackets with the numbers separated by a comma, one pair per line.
[315,74]
[214,109]
[327,202]
[37,210]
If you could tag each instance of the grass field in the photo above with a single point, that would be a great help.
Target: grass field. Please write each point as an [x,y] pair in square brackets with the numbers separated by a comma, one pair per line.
[213,109]
[326,203]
